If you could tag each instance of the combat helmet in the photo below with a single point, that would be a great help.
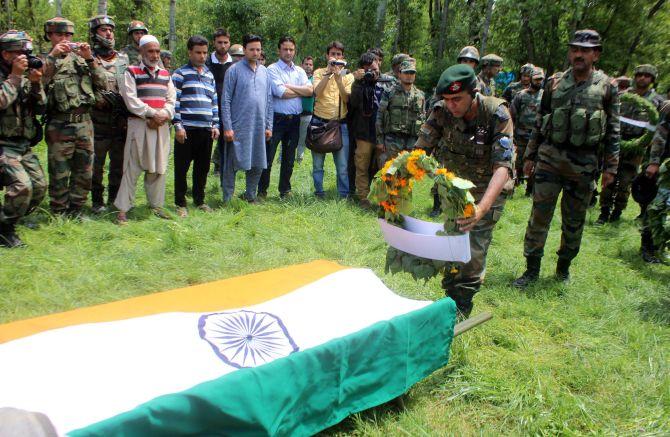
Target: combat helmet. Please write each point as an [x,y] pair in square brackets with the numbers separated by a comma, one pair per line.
[137,25]
[57,24]
[527,69]
[15,40]
[469,52]
[100,20]
[648,69]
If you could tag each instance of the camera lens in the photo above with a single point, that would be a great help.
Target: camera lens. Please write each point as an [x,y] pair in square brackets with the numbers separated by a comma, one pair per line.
[34,62]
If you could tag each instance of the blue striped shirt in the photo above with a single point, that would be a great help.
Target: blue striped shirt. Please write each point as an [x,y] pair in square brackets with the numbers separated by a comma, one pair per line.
[196,105]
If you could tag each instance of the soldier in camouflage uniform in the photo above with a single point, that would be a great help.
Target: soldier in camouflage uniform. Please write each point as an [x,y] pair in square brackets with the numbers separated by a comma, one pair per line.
[515,88]
[71,76]
[469,55]
[491,66]
[524,109]
[578,112]
[22,97]
[474,135]
[389,79]
[617,193]
[166,59]
[136,30]
[109,119]
[401,112]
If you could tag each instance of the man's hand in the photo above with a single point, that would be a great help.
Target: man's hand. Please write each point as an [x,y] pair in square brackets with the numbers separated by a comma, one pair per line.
[85,51]
[467,223]
[60,48]
[229,135]
[268,134]
[607,179]
[215,133]
[19,65]
[180,135]
[528,168]
[358,74]
[651,171]
[152,123]
[160,117]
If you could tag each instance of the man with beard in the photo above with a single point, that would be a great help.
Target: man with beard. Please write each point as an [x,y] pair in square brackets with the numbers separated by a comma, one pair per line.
[524,110]
[515,88]
[218,63]
[136,30]
[578,112]
[491,66]
[150,97]
[109,123]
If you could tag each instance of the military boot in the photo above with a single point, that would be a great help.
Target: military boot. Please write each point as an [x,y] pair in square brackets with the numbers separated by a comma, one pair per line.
[616,215]
[563,270]
[531,274]
[437,210]
[647,248]
[8,237]
[603,217]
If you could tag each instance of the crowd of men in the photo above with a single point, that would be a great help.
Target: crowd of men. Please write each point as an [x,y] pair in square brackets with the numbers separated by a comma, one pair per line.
[103,107]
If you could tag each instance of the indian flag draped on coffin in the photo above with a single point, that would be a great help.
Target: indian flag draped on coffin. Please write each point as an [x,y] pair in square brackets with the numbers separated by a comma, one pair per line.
[283,352]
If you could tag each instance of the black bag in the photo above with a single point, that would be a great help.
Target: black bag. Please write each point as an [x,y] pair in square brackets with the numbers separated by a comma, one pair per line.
[326,138]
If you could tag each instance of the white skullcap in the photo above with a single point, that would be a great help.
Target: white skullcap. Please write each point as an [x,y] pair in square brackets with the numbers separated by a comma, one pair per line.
[146,39]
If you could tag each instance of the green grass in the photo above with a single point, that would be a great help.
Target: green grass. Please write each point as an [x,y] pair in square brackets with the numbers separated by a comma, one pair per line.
[591,357]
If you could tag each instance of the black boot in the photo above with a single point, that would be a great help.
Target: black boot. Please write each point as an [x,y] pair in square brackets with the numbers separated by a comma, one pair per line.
[647,248]
[604,216]
[531,274]
[616,215]
[437,209]
[563,270]
[8,237]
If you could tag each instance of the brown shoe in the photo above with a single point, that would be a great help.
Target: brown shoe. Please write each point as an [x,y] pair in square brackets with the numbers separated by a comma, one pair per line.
[161,213]
[205,208]
[121,218]
[365,204]
[182,212]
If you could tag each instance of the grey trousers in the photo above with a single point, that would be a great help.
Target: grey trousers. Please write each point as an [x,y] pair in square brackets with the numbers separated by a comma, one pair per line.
[228,172]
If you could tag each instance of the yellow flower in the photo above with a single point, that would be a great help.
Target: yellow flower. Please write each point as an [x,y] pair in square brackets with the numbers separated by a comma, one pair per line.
[441,171]
[387,166]
[450,175]
[453,270]
[469,210]
[417,152]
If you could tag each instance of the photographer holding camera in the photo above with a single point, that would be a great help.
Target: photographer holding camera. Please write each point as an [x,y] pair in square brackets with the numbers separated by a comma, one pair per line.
[22,97]
[363,104]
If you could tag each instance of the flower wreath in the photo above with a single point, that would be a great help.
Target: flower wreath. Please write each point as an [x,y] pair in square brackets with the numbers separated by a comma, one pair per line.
[638,146]
[391,189]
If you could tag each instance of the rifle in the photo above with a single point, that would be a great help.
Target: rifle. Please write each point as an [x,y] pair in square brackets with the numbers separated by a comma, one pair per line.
[115,101]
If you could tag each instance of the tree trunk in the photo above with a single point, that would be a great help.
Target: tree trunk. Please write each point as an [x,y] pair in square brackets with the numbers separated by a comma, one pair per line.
[443,30]
[487,25]
[102,7]
[8,11]
[172,37]
[398,25]
[636,41]
[379,23]
[59,8]
[527,35]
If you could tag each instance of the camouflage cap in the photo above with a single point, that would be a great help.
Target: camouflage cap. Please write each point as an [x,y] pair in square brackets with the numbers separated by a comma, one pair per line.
[137,25]
[469,52]
[408,66]
[648,69]
[538,73]
[236,50]
[59,25]
[586,38]
[491,59]
[398,58]
[527,69]
[457,78]
[166,54]
[100,20]
[15,40]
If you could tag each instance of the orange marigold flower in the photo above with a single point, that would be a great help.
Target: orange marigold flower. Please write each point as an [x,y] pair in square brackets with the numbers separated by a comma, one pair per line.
[442,171]
[449,175]
[418,152]
[402,182]
[419,174]
[469,210]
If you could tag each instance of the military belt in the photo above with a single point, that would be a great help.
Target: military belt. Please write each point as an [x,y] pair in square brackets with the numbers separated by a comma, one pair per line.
[71,117]
[568,146]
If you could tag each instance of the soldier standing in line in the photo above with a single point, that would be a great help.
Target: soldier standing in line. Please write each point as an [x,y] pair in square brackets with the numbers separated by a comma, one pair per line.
[474,133]
[401,113]
[579,110]
[491,66]
[469,55]
[166,60]
[71,75]
[515,88]
[109,120]
[524,109]
[633,120]
[22,97]
[136,30]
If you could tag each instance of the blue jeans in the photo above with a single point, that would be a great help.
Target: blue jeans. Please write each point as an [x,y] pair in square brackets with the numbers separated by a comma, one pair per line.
[285,130]
[341,158]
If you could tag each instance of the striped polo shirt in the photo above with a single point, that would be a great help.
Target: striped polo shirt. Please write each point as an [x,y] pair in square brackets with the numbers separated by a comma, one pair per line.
[196,105]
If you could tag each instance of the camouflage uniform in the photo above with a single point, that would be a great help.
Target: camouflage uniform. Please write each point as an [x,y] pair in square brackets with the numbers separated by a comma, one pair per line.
[108,123]
[617,193]
[515,88]
[524,109]
[398,119]
[573,120]
[488,86]
[132,50]
[20,170]
[71,82]
[474,149]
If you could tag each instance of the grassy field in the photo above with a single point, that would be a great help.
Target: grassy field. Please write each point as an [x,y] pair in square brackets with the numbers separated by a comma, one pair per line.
[591,357]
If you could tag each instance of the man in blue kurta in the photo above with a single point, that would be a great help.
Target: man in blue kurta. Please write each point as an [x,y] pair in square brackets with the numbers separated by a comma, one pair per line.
[246,107]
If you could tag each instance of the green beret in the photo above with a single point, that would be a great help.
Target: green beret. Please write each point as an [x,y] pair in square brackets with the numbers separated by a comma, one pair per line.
[455,79]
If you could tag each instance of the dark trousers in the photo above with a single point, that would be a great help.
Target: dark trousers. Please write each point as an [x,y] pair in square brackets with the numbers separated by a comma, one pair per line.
[285,130]
[197,148]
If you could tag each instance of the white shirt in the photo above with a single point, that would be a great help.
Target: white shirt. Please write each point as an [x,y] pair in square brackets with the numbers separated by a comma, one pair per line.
[215,60]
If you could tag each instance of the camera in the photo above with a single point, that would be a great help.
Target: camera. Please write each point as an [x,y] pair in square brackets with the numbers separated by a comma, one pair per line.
[369,75]
[338,62]
[34,62]
[74,45]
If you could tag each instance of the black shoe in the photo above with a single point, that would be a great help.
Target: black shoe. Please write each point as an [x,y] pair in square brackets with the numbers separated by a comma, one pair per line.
[649,256]
[603,217]
[8,237]
[531,274]
[616,215]
[563,270]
